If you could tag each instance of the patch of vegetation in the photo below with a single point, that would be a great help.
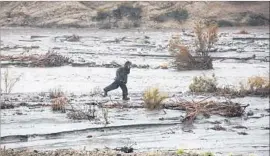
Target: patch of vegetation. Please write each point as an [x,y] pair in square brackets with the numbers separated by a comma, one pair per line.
[255,86]
[56,93]
[153,98]
[204,84]
[258,83]
[105,113]
[102,15]
[180,152]
[205,39]
[88,112]
[224,23]
[178,15]
[208,154]
[132,13]
[50,59]
[9,81]
[257,20]
[59,104]
[124,16]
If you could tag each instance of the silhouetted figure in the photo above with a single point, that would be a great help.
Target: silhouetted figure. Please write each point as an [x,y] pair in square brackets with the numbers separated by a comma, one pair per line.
[120,80]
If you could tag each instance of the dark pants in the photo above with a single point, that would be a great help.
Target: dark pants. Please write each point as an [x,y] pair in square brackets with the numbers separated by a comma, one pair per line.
[115,85]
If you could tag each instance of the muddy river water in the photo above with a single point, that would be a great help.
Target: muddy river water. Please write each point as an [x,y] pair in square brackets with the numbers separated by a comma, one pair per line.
[35,126]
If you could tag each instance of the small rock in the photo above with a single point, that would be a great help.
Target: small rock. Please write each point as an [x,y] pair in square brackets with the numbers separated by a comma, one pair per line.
[23,104]
[240,127]
[19,113]
[250,113]
[242,133]
[218,128]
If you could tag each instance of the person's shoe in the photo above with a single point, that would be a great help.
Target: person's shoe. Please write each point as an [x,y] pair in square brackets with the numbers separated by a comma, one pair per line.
[126,98]
[105,93]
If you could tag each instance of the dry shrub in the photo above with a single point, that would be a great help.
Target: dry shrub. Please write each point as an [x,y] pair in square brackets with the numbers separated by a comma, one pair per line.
[255,85]
[50,59]
[204,42]
[258,82]
[153,98]
[59,104]
[105,115]
[204,84]
[88,112]
[206,37]
[9,81]
[182,57]
[55,93]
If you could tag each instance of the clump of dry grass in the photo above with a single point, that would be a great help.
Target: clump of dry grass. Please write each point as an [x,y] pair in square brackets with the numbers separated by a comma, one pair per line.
[258,82]
[204,84]
[59,104]
[153,98]
[206,37]
[254,86]
[9,81]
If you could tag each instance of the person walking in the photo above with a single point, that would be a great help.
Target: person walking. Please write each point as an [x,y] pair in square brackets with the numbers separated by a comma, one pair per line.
[120,81]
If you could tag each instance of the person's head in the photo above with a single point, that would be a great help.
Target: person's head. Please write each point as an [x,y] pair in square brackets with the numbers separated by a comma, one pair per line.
[127,65]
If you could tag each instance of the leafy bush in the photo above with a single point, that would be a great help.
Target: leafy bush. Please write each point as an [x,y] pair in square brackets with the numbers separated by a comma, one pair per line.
[153,98]
[204,84]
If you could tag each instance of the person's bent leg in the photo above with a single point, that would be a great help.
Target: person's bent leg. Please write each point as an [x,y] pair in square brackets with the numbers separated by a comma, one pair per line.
[124,91]
[112,86]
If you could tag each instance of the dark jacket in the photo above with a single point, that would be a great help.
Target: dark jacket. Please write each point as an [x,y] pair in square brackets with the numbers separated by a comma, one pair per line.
[122,74]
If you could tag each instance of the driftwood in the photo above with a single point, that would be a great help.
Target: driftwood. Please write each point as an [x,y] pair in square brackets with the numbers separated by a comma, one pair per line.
[50,59]
[193,109]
